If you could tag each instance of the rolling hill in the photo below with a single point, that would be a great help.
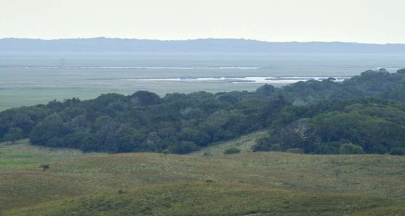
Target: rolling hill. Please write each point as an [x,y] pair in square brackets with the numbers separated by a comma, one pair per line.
[156,184]
[190,46]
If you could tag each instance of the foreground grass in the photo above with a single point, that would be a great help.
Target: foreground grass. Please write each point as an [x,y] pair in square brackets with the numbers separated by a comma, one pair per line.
[246,183]
[209,199]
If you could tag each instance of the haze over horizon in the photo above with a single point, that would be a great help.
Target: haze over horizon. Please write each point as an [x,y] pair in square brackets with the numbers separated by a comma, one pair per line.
[196,39]
[103,44]
[358,21]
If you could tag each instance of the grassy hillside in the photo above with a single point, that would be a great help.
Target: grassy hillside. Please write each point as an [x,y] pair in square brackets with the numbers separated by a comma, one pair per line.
[157,184]
[210,199]
[243,143]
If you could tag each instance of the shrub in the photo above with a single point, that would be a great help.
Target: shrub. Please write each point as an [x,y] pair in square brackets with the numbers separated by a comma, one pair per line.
[121,192]
[184,147]
[231,151]
[397,151]
[262,144]
[207,154]
[350,148]
[275,147]
[209,180]
[295,151]
[327,148]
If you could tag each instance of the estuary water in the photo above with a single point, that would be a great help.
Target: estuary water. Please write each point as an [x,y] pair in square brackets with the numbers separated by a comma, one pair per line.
[32,78]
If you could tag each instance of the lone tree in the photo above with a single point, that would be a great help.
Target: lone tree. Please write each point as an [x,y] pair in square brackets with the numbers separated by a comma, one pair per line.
[44,167]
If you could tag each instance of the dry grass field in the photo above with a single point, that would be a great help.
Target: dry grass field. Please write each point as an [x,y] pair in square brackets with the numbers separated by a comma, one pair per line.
[239,184]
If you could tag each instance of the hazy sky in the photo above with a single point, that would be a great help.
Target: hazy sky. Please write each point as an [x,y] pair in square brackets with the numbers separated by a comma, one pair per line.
[375,21]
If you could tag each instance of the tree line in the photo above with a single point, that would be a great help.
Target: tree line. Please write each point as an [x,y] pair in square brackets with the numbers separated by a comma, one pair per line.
[363,114]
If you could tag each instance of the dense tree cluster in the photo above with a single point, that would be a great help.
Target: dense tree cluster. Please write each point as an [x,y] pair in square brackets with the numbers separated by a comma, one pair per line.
[310,117]
[355,126]
[379,83]
[180,123]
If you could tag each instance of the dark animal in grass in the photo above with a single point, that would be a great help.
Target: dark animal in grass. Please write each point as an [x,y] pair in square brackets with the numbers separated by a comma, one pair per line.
[44,167]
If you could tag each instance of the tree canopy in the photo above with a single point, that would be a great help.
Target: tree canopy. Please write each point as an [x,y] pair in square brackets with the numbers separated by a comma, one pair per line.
[328,117]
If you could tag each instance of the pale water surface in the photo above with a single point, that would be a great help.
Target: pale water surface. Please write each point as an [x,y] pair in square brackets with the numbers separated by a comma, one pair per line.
[32,78]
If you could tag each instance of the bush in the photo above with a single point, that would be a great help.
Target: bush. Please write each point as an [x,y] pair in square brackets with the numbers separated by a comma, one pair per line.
[209,180]
[207,154]
[122,192]
[327,148]
[262,144]
[275,147]
[397,151]
[231,151]
[184,148]
[350,148]
[295,151]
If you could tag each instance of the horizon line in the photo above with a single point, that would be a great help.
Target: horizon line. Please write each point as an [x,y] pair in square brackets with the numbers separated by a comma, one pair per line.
[195,39]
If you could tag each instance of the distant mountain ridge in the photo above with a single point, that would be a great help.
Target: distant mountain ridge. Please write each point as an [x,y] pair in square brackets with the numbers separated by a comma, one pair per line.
[191,46]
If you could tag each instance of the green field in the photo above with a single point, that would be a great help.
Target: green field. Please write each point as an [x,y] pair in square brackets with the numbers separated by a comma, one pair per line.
[198,184]
[16,97]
